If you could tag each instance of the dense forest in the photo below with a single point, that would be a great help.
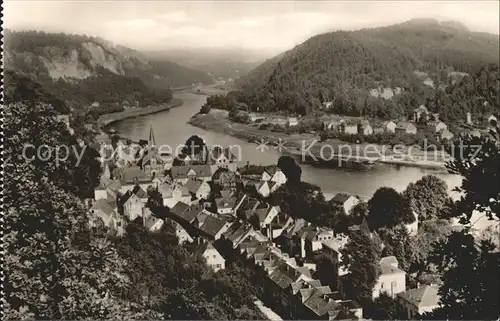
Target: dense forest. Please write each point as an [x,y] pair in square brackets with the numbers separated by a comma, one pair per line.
[80,69]
[418,62]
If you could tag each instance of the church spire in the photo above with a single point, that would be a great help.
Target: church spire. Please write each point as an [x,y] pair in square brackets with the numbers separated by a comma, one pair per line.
[152,141]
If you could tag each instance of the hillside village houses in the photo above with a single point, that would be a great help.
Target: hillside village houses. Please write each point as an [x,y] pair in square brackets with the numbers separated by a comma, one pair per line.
[437,126]
[392,279]
[365,128]
[406,127]
[346,201]
[292,122]
[420,114]
[390,127]
[237,223]
[418,301]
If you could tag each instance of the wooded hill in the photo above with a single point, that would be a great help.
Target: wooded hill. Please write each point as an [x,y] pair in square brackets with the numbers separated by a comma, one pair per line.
[80,69]
[380,72]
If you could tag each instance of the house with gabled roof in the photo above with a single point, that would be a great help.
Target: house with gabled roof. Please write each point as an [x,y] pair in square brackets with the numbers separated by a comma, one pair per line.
[392,280]
[226,204]
[103,212]
[198,189]
[263,188]
[182,234]
[346,201]
[334,248]
[416,302]
[225,178]
[445,134]
[132,205]
[181,194]
[311,238]
[131,176]
[150,221]
[184,213]
[406,128]
[213,227]
[389,126]
[182,174]
[437,126]
[364,128]
[222,158]
[212,257]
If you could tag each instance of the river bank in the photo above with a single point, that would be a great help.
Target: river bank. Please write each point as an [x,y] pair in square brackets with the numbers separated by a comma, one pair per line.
[216,122]
[108,119]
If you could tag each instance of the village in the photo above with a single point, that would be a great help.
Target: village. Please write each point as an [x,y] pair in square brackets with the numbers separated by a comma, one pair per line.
[221,208]
[421,120]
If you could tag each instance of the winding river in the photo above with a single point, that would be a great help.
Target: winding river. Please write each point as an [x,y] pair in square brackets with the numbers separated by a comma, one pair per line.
[171,128]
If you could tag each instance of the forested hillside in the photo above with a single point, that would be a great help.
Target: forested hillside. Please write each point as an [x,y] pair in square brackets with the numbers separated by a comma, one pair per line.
[412,62]
[80,69]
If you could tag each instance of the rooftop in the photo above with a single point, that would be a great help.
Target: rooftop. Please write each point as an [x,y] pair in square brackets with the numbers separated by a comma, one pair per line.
[425,296]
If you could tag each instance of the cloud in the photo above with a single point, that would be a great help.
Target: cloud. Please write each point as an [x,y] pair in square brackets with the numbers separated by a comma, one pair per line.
[175,17]
[133,24]
[244,22]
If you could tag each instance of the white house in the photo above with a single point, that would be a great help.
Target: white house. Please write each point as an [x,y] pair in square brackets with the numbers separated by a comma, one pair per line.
[263,189]
[151,223]
[212,257]
[199,189]
[413,227]
[334,246]
[132,206]
[182,235]
[437,126]
[390,126]
[292,121]
[346,201]
[270,215]
[392,280]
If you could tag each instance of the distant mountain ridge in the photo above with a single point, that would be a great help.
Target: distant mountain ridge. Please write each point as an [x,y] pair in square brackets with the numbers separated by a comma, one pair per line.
[87,69]
[224,63]
[346,66]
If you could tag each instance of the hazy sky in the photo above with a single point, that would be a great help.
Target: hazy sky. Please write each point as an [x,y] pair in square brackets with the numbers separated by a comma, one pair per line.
[250,24]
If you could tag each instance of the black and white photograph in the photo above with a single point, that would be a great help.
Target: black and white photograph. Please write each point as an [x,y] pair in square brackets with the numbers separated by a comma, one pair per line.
[250,160]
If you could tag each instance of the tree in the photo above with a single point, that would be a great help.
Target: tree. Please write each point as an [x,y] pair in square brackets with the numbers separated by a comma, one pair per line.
[55,268]
[194,145]
[428,197]
[470,281]
[401,244]
[360,257]
[205,109]
[289,167]
[470,287]
[384,308]
[359,212]
[387,208]
[327,270]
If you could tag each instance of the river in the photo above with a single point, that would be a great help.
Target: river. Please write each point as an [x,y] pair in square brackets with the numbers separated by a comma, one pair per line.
[171,128]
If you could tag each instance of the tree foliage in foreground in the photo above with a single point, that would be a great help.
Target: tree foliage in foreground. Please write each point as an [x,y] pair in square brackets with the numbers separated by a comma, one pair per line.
[54,268]
[387,209]
[361,258]
[428,197]
[470,281]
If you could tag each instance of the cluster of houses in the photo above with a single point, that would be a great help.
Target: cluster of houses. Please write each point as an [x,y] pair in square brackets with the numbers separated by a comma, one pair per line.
[365,128]
[223,208]
[420,115]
